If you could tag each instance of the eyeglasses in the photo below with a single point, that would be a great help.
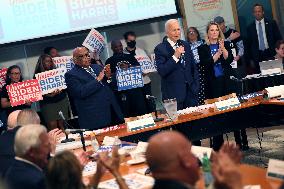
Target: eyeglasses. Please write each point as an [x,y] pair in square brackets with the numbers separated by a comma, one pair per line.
[81,57]
[191,32]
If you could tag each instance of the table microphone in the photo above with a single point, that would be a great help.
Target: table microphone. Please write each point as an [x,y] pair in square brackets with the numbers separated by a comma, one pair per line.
[66,124]
[153,98]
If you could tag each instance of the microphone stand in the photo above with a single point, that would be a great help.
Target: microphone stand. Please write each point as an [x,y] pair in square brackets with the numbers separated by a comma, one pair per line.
[157,119]
[82,140]
[65,125]
[241,93]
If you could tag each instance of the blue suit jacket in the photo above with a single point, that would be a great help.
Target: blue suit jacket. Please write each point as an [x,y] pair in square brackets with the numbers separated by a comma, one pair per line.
[22,175]
[175,76]
[7,153]
[93,100]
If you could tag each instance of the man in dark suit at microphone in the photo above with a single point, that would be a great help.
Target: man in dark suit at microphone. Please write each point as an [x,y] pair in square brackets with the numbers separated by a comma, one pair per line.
[175,64]
[93,99]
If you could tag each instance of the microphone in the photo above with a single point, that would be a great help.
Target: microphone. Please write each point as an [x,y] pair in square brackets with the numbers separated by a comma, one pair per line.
[66,125]
[61,115]
[74,131]
[180,44]
[150,97]
[153,102]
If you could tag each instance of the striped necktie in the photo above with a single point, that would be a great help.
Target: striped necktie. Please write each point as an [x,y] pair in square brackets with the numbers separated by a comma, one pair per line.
[261,37]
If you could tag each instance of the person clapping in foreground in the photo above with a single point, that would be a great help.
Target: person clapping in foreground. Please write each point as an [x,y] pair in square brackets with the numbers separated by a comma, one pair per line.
[179,169]
[71,177]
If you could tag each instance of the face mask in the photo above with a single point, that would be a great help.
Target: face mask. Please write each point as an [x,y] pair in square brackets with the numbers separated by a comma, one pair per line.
[131,44]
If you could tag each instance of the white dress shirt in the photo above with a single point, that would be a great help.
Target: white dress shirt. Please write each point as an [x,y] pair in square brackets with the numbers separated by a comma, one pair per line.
[264,32]
[173,44]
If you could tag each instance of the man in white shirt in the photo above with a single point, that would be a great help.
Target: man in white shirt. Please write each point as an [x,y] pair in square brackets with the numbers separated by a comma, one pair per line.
[262,36]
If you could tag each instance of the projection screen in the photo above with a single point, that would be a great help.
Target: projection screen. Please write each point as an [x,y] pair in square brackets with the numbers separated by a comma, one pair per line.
[30,19]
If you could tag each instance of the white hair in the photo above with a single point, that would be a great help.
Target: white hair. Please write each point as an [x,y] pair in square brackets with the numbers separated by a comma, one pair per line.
[168,23]
[27,137]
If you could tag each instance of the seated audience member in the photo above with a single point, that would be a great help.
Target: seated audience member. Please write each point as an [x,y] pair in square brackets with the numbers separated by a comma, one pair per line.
[93,99]
[131,101]
[52,51]
[54,102]
[131,48]
[179,167]
[194,39]
[279,48]
[32,149]
[12,120]
[7,142]
[13,75]
[72,176]
[20,118]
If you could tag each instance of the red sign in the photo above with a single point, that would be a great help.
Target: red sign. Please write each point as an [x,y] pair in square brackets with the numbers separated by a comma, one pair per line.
[3,77]
[20,93]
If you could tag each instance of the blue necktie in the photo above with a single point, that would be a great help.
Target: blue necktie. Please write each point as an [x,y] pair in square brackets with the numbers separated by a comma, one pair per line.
[260,37]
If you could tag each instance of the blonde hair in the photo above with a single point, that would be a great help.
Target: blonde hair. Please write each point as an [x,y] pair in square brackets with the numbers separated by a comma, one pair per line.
[221,35]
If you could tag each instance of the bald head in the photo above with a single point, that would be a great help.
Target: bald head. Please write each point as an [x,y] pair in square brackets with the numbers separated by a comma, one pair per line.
[28,116]
[116,46]
[81,56]
[172,29]
[12,119]
[169,157]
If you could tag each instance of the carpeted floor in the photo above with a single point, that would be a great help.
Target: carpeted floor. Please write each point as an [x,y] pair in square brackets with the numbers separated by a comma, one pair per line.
[272,145]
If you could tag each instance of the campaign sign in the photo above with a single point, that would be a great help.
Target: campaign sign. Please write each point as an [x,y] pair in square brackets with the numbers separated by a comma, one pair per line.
[146,64]
[64,62]
[51,80]
[21,92]
[3,77]
[95,42]
[129,78]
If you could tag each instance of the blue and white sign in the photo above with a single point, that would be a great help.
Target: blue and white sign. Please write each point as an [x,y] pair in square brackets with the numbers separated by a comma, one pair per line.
[129,78]
[146,64]
[65,62]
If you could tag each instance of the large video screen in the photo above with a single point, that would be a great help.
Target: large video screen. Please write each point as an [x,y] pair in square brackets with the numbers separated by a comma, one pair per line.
[30,19]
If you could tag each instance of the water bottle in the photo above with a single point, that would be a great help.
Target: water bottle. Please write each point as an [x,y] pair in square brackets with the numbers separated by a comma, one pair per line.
[95,143]
[206,167]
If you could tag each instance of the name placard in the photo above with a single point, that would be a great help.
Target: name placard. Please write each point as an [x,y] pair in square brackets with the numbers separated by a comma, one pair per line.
[275,169]
[226,104]
[140,124]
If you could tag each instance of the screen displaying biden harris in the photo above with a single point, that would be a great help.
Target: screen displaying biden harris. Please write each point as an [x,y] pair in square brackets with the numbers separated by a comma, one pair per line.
[30,19]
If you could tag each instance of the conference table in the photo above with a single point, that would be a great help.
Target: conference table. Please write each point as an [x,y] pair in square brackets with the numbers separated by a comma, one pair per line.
[203,124]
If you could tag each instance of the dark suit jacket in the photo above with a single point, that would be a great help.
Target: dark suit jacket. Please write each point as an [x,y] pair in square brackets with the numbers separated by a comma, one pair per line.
[175,76]
[207,61]
[7,153]
[168,184]
[22,175]
[272,34]
[93,100]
